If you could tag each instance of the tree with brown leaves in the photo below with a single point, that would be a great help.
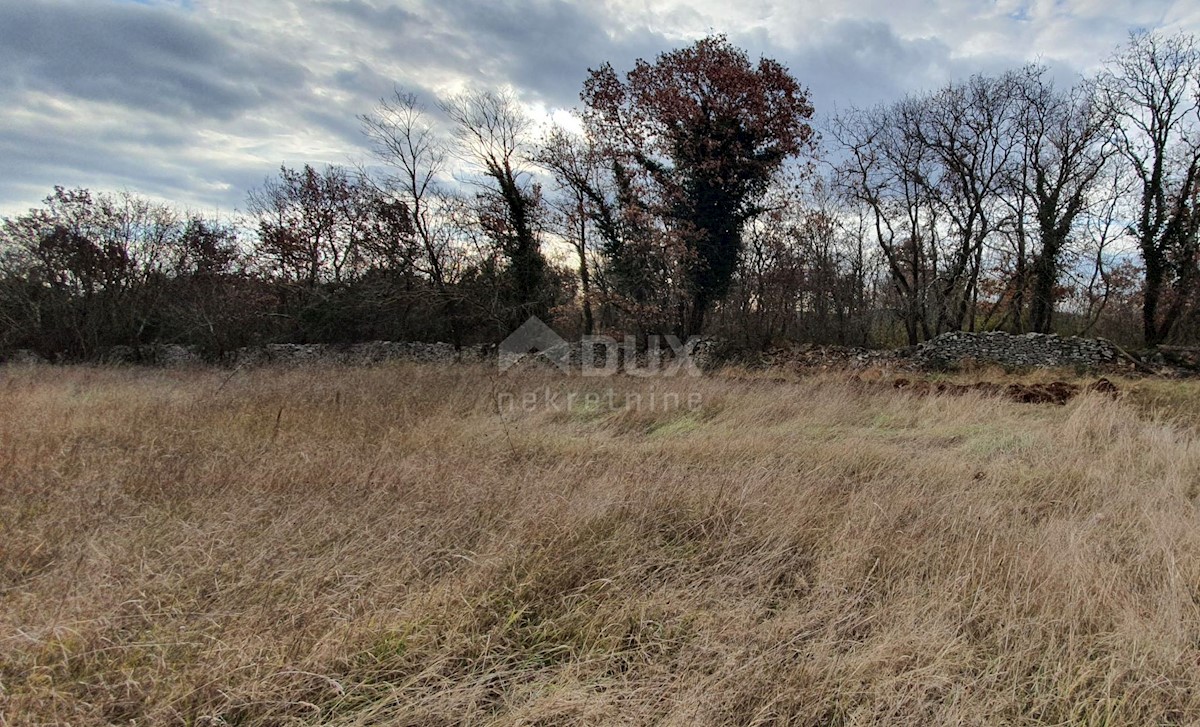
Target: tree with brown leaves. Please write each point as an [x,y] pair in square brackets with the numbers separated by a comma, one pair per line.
[709,129]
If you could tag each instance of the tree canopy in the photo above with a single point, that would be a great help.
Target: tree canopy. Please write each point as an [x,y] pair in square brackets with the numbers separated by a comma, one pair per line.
[709,130]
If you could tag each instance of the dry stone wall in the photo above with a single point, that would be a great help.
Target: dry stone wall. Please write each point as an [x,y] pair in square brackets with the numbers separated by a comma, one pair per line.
[359,353]
[948,350]
[1023,350]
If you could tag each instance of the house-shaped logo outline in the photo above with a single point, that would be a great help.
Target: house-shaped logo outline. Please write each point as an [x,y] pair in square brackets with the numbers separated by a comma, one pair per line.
[534,337]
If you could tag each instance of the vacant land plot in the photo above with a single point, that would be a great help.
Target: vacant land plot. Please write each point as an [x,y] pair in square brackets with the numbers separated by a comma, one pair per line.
[415,545]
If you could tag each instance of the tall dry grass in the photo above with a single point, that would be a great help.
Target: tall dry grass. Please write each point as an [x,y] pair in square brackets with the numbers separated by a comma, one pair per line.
[357,546]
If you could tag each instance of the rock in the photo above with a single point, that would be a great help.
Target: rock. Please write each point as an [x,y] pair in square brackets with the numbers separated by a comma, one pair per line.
[949,350]
[24,357]
[119,355]
[174,355]
[1027,350]
[371,352]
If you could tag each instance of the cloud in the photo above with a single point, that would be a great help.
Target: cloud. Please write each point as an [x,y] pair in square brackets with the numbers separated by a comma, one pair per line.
[542,47]
[148,57]
[195,100]
[860,62]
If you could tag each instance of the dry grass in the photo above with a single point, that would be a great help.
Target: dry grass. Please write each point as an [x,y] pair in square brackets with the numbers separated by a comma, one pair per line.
[379,546]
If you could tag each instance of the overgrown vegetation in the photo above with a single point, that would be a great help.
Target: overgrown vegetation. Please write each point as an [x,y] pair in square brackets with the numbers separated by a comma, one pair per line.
[383,546]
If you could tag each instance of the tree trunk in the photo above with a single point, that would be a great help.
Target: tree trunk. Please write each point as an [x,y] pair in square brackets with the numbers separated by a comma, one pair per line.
[1045,275]
[1041,310]
[1151,295]
[585,277]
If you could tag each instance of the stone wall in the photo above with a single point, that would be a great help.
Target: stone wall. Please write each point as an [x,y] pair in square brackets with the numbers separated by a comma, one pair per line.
[175,355]
[946,351]
[1024,350]
[358,353]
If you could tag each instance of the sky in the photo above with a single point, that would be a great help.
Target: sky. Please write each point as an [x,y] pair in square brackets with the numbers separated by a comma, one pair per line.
[198,101]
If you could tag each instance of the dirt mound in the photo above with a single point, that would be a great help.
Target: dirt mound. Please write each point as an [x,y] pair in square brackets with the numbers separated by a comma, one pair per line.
[1055,392]
[1104,386]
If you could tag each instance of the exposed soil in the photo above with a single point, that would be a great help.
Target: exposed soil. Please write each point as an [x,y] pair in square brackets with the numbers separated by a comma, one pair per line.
[1055,392]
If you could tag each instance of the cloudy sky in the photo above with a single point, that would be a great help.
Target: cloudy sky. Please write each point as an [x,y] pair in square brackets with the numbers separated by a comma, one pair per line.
[197,101]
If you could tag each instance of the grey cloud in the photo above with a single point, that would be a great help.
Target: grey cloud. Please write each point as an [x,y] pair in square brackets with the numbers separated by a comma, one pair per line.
[548,46]
[364,80]
[543,47]
[369,86]
[159,159]
[152,58]
[152,84]
[370,14]
[339,122]
[862,62]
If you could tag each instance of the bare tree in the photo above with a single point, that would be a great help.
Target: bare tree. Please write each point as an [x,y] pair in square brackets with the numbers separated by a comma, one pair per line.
[493,133]
[637,263]
[969,131]
[1063,139]
[883,174]
[1097,271]
[404,139]
[931,172]
[1153,88]
[576,166]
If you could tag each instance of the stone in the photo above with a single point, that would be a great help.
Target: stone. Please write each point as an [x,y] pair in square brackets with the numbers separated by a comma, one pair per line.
[24,357]
[1020,351]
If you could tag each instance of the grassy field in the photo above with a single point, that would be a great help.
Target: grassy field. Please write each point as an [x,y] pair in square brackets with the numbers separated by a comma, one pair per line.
[420,546]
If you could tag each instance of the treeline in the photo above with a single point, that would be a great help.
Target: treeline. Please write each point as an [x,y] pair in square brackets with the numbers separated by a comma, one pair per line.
[997,201]
[690,195]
